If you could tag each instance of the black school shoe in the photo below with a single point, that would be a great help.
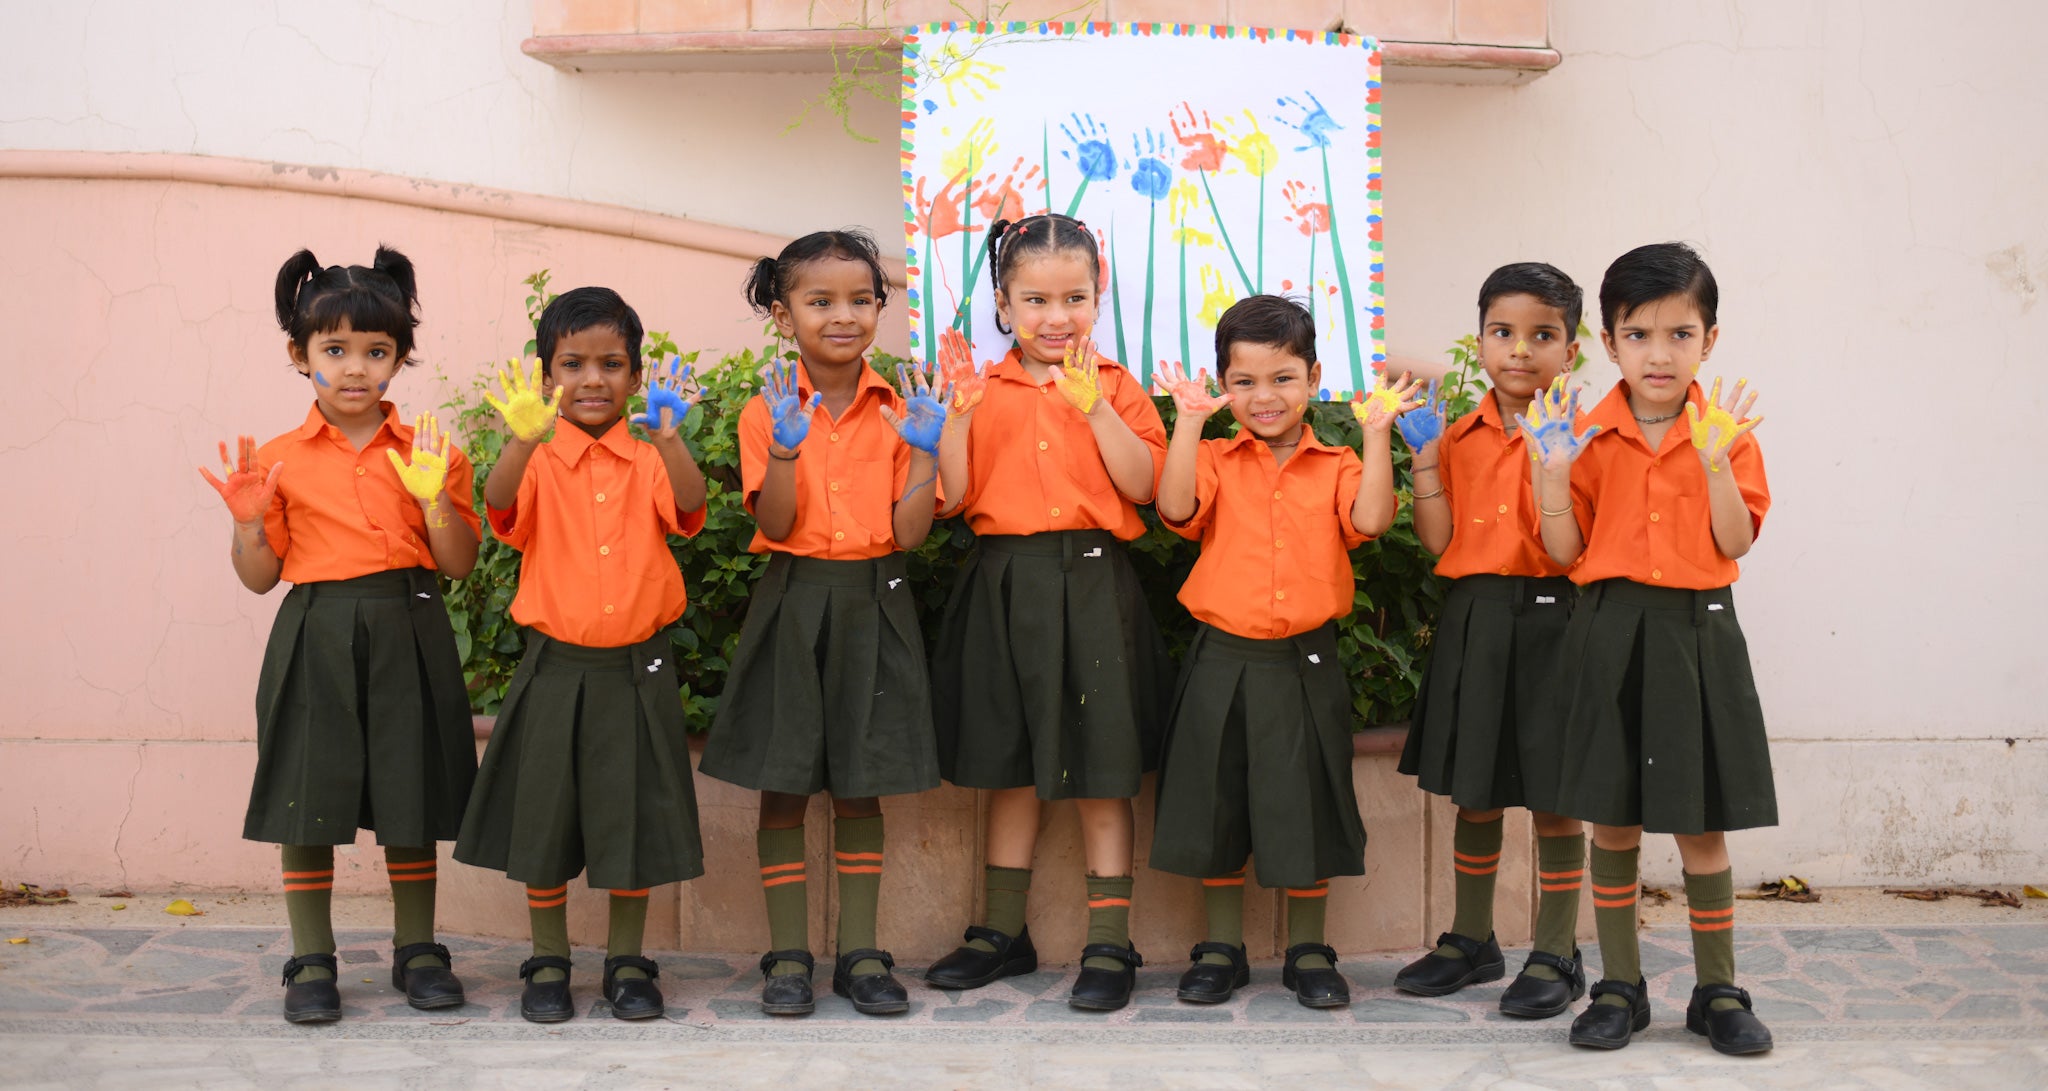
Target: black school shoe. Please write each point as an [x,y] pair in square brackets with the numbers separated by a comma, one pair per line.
[1737,1030]
[1534,998]
[787,994]
[427,987]
[1106,990]
[633,997]
[311,1001]
[872,994]
[545,1001]
[1209,983]
[972,967]
[1605,1026]
[1438,975]
[1315,988]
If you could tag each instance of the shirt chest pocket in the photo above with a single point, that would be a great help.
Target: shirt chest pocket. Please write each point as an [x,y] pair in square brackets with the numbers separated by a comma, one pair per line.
[1084,463]
[866,494]
[1307,539]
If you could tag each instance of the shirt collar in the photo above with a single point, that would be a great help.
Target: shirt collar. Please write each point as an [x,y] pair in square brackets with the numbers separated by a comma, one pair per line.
[1614,415]
[1246,437]
[571,442]
[316,424]
[870,379]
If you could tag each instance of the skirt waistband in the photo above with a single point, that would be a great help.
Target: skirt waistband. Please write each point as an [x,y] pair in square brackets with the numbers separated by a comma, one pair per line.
[1520,590]
[1284,649]
[839,573]
[583,657]
[1064,544]
[1630,593]
[392,583]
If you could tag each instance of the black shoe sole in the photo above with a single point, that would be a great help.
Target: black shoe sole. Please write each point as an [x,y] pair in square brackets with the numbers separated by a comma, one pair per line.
[1698,1025]
[1197,997]
[436,1003]
[788,1009]
[1082,1004]
[546,1016]
[321,1016]
[1637,1025]
[1480,975]
[1016,967]
[653,1013]
[1323,1002]
[1524,1011]
[885,1007]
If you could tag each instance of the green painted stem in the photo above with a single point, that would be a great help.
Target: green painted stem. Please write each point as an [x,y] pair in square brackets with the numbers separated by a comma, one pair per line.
[1261,263]
[1116,298]
[1075,204]
[1228,246]
[931,328]
[1183,291]
[1312,277]
[965,319]
[1145,333]
[1343,282]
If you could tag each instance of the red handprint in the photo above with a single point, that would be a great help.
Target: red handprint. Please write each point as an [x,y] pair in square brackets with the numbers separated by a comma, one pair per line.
[944,215]
[1205,151]
[1314,216]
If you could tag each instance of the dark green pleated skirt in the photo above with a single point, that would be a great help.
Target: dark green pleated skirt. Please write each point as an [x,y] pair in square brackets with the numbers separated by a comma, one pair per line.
[588,767]
[1258,762]
[1663,729]
[1488,727]
[1049,670]
[362,720]
[828,690]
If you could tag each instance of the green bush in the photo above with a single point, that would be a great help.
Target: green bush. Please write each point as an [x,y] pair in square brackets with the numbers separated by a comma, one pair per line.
[1383,641]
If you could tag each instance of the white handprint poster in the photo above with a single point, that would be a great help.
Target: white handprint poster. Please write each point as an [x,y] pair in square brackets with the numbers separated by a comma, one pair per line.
[1211,163]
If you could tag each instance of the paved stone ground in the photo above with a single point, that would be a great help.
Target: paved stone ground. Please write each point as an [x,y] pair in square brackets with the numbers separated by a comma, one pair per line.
[1958,1005]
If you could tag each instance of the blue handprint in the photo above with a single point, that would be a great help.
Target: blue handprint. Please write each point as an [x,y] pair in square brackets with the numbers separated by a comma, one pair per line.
[1424,424]
[1316,124]
[785,404]
[1151,176]
[669,397]
[924,412]
[1092,152]
[1548,427]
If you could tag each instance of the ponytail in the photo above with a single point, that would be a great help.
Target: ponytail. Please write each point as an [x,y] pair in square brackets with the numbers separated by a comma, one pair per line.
[298,269]
[761,289]
[772,278]
[398,267]
[381,298]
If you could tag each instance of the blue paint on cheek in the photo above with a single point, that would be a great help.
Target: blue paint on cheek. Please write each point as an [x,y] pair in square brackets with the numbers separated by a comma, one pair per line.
[321,379]
[383,386]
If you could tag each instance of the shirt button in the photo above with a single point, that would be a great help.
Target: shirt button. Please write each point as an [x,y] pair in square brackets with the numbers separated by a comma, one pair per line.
[1055,513]
[1278,544]
[1656,573]
[1653,517]
[360,471]
[607,609]
[600,498]
[1503,509]
[604,551]
[1276,494]
[838,535]
[1503,570]
[1042,445]
[835,486]
[1279,594]
[835,437]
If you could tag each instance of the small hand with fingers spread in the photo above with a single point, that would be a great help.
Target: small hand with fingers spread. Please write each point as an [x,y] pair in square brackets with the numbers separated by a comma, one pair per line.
[786,407]
[1190,393]
[1377,409]
[1079,376]
[1548,427]
[1424,424]
[425,476]
[248,489]
[1723,425]
[526,412]
[956,363]
[669,398]
[924,410]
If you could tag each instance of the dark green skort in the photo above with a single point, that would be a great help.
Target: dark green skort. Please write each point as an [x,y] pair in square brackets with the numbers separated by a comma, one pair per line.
[362,720]
[1049,670]
[1487,729]
[1664,729]
[588,767]
[828,689]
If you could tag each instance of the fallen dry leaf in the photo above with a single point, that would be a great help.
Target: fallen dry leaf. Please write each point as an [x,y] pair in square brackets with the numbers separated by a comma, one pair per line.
[1942,893]
[1662,895]
[18,939]
[117,894]
[1791,888]
[2034,892]
[31,894]
[183,908]
[121,906]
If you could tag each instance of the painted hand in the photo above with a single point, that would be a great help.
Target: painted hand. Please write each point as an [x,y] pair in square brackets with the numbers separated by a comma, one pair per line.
[1548,427]
[1724,424]
[1190,392]
[1424,424]
[426,475]
[956,362]
[526,412]
[1376,409]
[786,407]
[925,409]
[247,490]
[1079,377]
[669,398]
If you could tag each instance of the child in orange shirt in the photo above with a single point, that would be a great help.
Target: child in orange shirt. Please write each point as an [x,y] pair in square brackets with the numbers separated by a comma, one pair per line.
[362,720]
[1664,731]
[828,689]
[588,766]
[1258,752]
[1486,730]
[1049,680]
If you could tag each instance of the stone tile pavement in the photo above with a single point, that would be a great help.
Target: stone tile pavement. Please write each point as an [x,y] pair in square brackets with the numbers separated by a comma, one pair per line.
[1958,1005]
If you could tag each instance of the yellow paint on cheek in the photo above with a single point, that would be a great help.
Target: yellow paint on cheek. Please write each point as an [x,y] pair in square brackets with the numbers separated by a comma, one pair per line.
[1025,335]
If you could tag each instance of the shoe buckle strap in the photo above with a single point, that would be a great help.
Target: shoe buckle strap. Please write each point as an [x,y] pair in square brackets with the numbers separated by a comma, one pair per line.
[322,961]
[798,956]
[1129,956]
[544,962]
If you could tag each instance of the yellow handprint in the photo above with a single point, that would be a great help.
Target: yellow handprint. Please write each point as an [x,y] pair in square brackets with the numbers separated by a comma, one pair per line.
[1078,377]
[426,476]
[1724,423]
[1254,149]
[966,158]
[1377,408]
[526,413]
[1216,296]
[958,73]
[1183,203]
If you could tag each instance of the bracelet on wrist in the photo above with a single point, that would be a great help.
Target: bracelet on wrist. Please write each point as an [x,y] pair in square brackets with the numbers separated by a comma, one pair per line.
[780,458]
[1413,469]
[1567,510]
[1429,495]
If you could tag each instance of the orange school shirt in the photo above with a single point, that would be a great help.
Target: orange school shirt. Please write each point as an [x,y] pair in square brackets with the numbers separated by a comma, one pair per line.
[849,473]
[1032,461]
[1275,539]
[1644,513]
[1484,471]
[593,517]
[340,513]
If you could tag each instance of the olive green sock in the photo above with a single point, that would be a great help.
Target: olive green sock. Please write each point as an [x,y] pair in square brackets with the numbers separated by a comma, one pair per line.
[1475,850]
[1109,917]
[1306,908]
[1007,889]
[412,873]
[309,903]
[857,853]
[1223,901]
[1710,901]
[1615,884]
[787,890]
[547,914]
[628,928]
[1560,872]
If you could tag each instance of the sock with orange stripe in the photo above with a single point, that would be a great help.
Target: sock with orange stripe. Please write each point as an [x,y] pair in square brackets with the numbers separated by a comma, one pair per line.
[1615,883]
[547,912]
[1305,913]
[1109,917]
[1560,872]
[628,926]
[1475,847]
[787,890]
[412,873]
[1710,900]
[857,853]
[1006,890]
[309,903]
[1223,900]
